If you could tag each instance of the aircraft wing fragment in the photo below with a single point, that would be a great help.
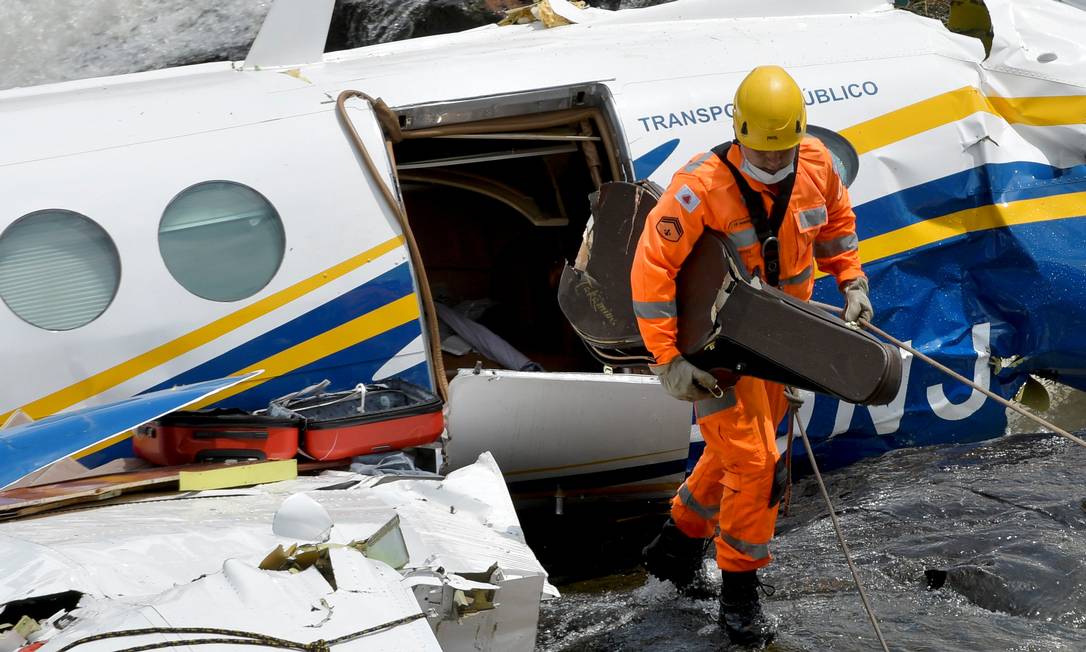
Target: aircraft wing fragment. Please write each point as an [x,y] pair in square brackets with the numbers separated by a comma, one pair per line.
[32,446]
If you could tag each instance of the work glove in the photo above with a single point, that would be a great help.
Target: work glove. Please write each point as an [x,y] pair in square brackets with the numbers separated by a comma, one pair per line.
[857,304]
[684,381]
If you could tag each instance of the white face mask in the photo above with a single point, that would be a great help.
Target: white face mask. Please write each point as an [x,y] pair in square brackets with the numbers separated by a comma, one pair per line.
[768,178]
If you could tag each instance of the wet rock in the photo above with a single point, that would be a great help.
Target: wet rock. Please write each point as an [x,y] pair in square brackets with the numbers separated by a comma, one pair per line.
[625,4]
[356,23]
[978,585]
[936,578]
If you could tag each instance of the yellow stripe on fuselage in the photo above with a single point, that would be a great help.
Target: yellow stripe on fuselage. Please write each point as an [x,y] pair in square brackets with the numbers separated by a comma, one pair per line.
[950,107]
[100,382]
[371,324]
[971,220]
[866,136]
[957,104]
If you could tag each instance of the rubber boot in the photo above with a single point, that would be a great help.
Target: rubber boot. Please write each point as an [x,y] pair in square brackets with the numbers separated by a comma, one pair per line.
[674,557]
[741,616]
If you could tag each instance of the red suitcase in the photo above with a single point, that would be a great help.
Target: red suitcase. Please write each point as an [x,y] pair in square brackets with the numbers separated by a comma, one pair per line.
[212,435]
[397,415]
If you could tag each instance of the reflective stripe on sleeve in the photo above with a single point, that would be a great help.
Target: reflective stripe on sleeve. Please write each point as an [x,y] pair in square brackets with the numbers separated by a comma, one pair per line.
[798,278]
[708,406]
[744,238]
[812,217]
[696,163]
[707,513]
[753,550]
[836,246]
[655,309]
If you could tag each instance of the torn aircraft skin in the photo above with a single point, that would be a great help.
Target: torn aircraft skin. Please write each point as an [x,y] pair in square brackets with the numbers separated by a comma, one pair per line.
[392,564]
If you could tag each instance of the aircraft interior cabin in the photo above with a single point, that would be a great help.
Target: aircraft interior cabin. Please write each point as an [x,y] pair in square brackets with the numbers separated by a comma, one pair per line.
[497,208]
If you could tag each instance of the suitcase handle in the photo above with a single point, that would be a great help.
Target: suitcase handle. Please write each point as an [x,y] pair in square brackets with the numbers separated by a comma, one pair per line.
[229,434]
[213,455]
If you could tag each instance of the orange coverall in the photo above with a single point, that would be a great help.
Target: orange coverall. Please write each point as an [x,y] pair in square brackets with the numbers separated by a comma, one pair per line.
[731,484]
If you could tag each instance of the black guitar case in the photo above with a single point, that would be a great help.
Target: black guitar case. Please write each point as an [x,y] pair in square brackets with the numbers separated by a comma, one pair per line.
[594,292]
[729,323]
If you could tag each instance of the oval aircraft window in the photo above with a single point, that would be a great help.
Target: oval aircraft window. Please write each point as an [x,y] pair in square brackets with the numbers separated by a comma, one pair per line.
[845,158]
[59,270]
[221,240]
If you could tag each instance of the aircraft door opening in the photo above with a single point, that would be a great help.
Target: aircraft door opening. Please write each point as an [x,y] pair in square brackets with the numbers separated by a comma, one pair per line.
[498,205]
[497,193]
[368,123]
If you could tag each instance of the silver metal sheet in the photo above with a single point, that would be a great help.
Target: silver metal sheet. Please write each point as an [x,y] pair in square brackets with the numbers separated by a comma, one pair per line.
[552,425]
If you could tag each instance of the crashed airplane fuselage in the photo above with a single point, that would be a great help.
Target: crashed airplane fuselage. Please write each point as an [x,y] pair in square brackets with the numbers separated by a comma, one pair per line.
[174,226]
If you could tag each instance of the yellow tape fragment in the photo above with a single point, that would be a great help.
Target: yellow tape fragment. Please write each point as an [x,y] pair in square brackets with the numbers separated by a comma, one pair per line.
[242,475]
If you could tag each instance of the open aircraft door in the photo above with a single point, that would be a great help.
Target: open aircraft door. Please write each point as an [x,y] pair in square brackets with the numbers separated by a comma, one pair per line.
[494,189]
[371,127]
[573,434]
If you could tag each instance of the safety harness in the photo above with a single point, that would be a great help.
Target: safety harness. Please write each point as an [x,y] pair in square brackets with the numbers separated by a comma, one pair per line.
[765,227]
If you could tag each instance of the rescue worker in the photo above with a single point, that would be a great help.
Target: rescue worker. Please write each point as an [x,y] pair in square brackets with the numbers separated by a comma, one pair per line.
[733,485]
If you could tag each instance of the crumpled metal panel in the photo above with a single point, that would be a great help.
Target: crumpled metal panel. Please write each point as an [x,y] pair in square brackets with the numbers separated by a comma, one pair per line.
[151,551]
[299,607]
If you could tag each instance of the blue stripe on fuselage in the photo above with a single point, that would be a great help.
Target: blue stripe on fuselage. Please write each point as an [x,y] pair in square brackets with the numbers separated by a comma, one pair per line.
[345,369]
[981,186]
[382,290]
[646,164]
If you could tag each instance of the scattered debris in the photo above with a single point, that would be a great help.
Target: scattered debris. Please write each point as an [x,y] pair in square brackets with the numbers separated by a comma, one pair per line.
[552,13]
[301,517]
[382,563]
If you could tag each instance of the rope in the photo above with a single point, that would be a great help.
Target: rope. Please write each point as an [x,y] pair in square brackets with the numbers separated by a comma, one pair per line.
[837,528]
[946,370]
[241,637]
[376,628]
[956,376]
[433,338]
[794,403]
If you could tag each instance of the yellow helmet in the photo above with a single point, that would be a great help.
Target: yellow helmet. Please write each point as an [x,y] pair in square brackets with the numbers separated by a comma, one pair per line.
[768,111]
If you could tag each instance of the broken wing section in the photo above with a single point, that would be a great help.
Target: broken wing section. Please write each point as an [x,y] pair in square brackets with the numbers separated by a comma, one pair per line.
[33,446]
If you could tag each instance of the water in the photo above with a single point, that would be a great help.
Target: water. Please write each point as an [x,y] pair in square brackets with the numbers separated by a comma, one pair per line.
[974,547]
[45,41]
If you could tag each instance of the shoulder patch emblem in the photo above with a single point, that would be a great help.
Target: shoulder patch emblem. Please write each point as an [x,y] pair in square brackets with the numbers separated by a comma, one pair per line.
[669,229]
[687,198]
